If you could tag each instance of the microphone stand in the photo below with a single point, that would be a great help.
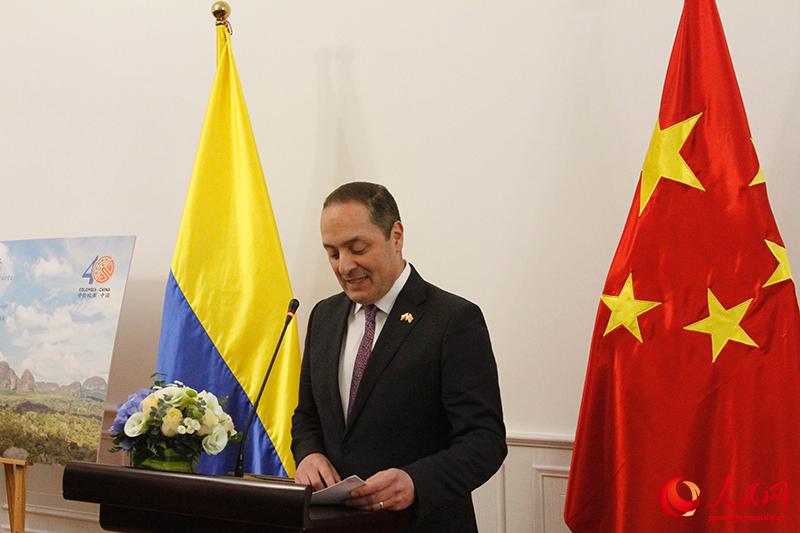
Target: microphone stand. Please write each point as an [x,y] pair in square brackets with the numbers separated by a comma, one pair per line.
[239,471]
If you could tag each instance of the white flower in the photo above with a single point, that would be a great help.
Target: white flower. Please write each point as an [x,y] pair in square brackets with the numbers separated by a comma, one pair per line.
[212,403]
[181,430]
[148,404]
[173,395]
[172,419]
[227,422]
[208,423]
[191,425]
[136,425]
[216,441]
[210,419]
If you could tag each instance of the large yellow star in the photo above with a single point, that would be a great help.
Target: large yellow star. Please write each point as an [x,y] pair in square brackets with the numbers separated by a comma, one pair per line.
[625,309]
[784,270]
[663,159]
[723,325]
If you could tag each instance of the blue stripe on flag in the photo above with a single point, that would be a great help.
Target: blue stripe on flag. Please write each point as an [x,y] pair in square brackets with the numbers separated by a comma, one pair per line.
[187,354]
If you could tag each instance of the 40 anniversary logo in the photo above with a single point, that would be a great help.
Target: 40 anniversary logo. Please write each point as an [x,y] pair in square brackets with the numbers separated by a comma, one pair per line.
[100,270]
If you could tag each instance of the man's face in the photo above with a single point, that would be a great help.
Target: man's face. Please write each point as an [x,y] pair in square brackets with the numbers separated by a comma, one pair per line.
[364,261]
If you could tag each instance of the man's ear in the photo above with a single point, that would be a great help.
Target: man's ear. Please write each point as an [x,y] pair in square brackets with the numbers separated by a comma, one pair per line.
[397,235]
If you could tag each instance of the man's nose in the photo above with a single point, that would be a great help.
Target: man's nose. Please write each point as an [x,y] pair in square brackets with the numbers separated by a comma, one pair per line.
[346,263]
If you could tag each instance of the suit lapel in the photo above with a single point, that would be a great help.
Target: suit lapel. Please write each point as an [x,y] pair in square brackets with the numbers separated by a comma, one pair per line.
[392,335]
[335,338]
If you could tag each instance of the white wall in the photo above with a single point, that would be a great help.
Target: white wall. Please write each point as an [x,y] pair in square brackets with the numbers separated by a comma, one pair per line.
[511,133]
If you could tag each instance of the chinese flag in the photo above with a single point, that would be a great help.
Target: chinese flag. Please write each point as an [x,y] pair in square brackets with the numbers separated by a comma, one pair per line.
[690,419]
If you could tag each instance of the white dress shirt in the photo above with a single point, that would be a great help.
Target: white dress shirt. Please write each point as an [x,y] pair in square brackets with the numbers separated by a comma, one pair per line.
[355,332]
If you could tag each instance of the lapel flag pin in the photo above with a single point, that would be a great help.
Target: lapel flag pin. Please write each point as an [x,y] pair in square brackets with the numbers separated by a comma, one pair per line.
[408,317]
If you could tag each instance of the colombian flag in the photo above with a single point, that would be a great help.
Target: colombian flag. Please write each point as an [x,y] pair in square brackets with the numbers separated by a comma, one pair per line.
[228,289]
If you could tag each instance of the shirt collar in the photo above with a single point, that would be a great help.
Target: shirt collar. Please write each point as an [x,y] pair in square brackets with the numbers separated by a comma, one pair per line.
[386,303]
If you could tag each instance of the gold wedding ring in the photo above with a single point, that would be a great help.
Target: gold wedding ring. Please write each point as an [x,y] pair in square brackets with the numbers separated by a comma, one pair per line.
[381,504]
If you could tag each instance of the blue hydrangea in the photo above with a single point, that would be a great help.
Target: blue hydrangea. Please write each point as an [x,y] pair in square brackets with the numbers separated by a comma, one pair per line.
[124,412]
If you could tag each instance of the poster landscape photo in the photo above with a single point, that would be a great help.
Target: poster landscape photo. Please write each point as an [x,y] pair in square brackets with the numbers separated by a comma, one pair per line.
[60,301]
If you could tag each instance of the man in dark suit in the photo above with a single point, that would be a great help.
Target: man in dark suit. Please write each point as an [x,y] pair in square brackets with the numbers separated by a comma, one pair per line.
[398,383]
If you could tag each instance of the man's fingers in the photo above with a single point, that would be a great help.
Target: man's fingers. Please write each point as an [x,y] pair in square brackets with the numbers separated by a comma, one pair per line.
[380,481]
[328,475]
[380,505]
[392,489]
[361,492]
[371,499]
[357,502]
[374,484]
[316,481]
[316,470]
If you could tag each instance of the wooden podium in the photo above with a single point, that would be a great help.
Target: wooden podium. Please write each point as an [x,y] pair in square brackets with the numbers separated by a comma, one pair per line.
[144,501]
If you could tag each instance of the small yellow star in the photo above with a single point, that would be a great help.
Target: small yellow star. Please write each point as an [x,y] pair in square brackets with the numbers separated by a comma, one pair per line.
[663,159]
[723,325]
[784,270]
[625,309]
[760,178]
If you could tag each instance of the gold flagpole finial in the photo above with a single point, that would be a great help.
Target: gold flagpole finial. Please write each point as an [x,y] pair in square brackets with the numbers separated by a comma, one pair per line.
[221,12]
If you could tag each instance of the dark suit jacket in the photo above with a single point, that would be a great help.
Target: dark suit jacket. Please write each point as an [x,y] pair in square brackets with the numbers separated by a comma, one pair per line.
[428,402]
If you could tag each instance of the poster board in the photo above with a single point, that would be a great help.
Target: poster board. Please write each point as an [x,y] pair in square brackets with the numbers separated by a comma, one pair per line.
[60,301]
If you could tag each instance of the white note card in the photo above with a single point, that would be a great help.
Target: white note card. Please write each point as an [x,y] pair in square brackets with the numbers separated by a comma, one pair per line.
[338,493]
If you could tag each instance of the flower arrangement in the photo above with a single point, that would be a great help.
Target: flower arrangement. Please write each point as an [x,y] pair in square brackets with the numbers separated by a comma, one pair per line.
[167,427]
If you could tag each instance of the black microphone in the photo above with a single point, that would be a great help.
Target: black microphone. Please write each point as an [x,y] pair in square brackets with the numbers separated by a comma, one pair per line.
[239,471]
[293,305]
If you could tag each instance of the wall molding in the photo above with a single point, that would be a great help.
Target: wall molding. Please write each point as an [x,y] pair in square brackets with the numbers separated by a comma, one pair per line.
[541,473]
[58,512]
[540,440]
[501,499]
[6,527]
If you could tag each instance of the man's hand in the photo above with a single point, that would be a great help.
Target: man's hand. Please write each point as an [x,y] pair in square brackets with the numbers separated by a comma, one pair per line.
[391,489]
[317,471]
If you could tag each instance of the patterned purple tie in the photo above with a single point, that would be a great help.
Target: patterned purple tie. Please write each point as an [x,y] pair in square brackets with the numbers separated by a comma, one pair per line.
[364,351]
